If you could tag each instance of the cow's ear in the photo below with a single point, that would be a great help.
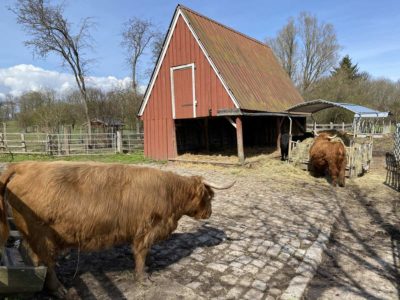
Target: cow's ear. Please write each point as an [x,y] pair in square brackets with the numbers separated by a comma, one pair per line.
[209,191]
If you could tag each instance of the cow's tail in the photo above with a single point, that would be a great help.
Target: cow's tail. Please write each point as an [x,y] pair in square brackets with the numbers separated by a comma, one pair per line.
[4,229]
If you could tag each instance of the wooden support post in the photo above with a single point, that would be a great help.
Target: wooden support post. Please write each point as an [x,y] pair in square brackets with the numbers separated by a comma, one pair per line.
[278,133]
[239,137]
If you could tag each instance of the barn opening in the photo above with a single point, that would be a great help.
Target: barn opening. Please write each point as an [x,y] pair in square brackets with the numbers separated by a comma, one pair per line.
[218,134]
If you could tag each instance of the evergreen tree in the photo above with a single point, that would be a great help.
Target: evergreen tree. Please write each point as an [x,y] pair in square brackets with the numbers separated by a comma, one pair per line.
[346,69]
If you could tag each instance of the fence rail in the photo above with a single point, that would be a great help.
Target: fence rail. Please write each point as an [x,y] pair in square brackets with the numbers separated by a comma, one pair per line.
[70,143]
[363,127]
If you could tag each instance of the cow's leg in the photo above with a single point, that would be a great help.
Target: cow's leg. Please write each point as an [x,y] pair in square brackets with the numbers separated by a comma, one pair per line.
[334,172]
[342,171]
[140,250]
[42,251]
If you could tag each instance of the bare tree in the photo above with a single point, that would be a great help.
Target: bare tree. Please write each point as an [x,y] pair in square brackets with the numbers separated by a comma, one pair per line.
[319,49]
[137,35]
[156,46]
[306,48]
[285,47]
[51,32]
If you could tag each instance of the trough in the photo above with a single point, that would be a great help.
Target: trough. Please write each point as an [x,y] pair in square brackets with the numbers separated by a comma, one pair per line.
[17,273]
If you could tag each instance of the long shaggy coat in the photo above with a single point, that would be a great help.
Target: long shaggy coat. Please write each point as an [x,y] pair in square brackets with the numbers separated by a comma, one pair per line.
[91,206]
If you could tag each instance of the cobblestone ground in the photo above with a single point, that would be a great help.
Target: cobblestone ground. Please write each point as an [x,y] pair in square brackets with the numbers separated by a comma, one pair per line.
[363,257]
[251,247]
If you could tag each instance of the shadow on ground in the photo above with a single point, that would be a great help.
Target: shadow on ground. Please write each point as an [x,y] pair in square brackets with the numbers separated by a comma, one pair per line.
[363,256]
[98,265]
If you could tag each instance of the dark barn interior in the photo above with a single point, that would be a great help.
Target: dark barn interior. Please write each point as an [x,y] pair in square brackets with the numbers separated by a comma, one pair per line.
[260,133]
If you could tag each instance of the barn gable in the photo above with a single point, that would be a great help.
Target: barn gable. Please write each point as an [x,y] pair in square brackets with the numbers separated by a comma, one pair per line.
[247,68]
[181,48]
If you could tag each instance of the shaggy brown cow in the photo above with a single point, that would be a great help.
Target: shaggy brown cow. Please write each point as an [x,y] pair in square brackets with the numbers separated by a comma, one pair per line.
[329,154]
[60,205]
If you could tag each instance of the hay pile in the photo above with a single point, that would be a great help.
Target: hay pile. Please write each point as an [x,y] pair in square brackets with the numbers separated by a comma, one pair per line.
[358,155]
[300,153]
[361,157]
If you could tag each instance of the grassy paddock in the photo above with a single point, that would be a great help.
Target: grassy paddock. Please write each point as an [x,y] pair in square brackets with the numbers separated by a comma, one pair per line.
[131,158]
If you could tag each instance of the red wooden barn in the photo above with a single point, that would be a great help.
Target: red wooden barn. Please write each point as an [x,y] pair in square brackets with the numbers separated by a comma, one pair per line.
[213,88]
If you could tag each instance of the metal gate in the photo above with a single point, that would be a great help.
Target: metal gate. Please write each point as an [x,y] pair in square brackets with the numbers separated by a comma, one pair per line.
[396,150]
[393,162]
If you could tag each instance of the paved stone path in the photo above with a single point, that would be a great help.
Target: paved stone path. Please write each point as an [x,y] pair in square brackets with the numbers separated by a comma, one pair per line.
[363,256]
[253,246]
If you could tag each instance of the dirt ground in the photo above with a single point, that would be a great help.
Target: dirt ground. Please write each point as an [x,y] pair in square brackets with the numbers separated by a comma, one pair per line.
[363,256]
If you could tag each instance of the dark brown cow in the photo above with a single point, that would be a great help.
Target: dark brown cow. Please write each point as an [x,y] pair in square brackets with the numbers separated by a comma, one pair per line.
[328,154]
[60,205]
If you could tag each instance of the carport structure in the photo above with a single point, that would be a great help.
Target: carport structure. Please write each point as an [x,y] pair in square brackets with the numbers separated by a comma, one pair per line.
[363,116]
[359,155]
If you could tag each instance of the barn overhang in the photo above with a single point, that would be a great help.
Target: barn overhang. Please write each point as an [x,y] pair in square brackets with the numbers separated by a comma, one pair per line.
[239,112]
[314,106]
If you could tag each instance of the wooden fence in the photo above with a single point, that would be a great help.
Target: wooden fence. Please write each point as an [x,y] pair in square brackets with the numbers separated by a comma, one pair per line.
[70,143]
[363,127]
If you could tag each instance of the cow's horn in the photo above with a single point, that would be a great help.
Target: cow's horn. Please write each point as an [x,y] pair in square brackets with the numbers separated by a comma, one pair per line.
[315,133]
[332,137]
[219,187]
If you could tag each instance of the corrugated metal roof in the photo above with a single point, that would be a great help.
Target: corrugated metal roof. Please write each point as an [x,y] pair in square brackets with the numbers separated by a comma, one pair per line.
[320,104]
[248,67]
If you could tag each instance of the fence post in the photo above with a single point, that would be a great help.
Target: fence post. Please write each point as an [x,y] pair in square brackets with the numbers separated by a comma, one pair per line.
[137,126]
[2,143]
[23,143]
[331,125]
[58,145]
[343,126]
[5,134]
[48,146]
[119,142]
[66,139]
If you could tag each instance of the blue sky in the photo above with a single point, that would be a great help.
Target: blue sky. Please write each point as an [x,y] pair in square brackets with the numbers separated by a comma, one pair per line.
[369,31]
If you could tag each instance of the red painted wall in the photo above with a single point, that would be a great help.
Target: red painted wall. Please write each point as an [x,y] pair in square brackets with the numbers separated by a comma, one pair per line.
[159,127]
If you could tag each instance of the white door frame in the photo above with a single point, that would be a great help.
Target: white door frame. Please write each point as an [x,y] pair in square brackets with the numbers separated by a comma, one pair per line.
[172,69]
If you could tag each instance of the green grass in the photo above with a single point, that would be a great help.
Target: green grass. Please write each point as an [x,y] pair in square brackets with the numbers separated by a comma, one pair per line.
[131,158]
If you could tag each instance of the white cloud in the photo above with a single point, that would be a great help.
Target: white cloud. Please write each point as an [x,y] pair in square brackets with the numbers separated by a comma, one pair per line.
[22,78]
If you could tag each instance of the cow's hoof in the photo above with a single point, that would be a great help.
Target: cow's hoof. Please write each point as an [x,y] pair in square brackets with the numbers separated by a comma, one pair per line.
[144,280]
[59,293]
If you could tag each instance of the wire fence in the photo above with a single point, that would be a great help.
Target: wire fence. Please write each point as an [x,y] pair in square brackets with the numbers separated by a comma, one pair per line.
[65,144]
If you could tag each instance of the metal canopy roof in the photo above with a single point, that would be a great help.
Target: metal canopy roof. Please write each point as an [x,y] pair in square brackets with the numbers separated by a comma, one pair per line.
[317,105]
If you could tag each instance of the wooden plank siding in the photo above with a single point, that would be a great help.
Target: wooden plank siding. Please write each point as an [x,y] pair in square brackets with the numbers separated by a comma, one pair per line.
[159,126]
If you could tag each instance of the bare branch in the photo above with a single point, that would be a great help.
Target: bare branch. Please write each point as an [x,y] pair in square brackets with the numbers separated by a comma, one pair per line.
[137,35]
[50,32]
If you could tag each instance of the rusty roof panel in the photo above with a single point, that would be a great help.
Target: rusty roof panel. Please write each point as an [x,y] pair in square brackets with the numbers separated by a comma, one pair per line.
[248,67]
